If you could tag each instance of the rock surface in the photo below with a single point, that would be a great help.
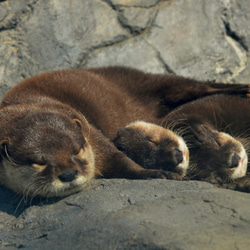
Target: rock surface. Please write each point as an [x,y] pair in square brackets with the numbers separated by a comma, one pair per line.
[125,214]
[206,40]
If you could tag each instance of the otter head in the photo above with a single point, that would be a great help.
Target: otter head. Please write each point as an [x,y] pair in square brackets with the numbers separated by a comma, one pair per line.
[153,147]
[44,151]
[215,155]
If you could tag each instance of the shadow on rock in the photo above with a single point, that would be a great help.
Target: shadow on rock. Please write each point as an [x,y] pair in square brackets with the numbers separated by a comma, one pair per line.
[15,204]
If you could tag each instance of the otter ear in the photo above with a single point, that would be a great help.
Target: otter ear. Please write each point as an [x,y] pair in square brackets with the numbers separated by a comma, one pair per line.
[120,135]
[3,144]
[125,136]
[125,132]
[121,131]
[78,123]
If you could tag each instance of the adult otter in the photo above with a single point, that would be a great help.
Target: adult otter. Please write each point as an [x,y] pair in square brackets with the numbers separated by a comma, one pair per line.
[216,130]
[55,128]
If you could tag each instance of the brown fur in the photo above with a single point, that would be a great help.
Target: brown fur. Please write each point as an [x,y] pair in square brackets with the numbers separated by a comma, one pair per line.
[55,128]
[153,147]
[216,131]
[205,125]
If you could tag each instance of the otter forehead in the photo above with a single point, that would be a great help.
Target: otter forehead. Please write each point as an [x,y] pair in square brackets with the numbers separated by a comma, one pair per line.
[46,127]
[41,136]
[229,141]
[150,129]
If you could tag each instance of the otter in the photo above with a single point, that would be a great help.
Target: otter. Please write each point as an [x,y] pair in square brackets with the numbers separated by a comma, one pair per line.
[153,147]
[216,128]
[216,131]
[56,129]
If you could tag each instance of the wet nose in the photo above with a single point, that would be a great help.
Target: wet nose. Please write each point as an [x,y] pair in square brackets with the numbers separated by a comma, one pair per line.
[235,161]
[68,176]
[178,155]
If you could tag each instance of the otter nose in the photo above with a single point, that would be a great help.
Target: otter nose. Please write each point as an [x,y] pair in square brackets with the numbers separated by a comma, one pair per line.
[68,176]
[235,161]
[178,155]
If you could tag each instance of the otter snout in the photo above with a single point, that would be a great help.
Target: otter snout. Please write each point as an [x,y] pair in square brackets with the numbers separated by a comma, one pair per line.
[68,176]
[238,164]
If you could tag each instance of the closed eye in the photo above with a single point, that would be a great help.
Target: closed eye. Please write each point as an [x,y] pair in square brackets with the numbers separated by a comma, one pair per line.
[38,167]
[218,143]
[153,143]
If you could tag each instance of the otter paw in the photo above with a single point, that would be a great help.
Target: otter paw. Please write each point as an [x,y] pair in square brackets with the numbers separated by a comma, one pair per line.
[216,181]
[160,174]
[241,184]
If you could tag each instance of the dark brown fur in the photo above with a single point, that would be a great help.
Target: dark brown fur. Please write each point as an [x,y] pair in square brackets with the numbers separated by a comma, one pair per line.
[200,123]
[54,122]
[215,129]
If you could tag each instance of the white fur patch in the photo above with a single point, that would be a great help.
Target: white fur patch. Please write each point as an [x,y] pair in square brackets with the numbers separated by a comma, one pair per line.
[241,169]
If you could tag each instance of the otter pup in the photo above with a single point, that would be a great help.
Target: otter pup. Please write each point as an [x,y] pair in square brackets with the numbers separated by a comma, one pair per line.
[217,125]
[153,147]
[216,130]
[56,128]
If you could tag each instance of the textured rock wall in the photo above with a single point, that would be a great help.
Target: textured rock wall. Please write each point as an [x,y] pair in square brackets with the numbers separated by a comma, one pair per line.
[205,39]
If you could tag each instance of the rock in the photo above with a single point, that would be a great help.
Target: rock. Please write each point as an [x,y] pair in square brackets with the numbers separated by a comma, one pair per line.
[135,3]
[206,40]
[121,54]
[136,20]
[125,214]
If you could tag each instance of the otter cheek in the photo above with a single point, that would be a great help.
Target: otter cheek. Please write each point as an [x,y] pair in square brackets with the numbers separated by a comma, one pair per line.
[18,178]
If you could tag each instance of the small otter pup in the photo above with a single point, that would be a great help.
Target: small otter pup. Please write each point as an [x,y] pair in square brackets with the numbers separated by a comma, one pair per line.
[216,129]
[56,128]
[153,147]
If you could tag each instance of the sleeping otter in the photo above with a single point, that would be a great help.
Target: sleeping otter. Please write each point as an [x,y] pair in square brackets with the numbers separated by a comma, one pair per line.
[203,122]
[56,128]
[153,147]
[216,130]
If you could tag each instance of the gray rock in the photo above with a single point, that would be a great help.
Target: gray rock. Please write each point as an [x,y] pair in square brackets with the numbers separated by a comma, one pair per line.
[124,214]
[207,40]
[136,19]
[135,3]
[125,55]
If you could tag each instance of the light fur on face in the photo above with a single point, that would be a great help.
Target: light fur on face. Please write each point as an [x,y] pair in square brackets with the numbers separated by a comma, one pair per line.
[29,181]
[158,133]
[241,169]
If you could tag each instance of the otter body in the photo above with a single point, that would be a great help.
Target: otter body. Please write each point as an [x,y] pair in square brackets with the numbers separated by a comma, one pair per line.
[56,128]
